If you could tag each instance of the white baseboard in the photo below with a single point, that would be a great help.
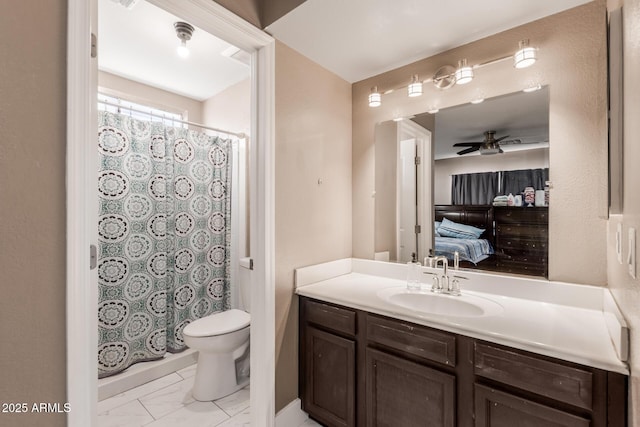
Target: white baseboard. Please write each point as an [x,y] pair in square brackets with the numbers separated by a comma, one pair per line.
[143,372]
[291,415]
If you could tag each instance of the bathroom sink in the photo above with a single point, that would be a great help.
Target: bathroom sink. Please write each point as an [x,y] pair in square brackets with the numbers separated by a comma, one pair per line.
[466,305]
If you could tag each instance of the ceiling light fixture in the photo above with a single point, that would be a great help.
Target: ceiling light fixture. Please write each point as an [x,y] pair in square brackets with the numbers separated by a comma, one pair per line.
[433,110]
[526,55]
[415,87]
[184,32]
[464,73]
[375,100]
[477,101]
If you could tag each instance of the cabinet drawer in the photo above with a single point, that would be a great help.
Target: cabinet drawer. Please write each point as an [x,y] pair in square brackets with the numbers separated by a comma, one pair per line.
[521,268]
[331,317]
[522,215]
[522,231]
[529,245]
[420,341]
[569,384]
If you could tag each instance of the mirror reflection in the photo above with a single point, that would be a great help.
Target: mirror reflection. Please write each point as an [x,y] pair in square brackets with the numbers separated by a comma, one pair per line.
[469,179]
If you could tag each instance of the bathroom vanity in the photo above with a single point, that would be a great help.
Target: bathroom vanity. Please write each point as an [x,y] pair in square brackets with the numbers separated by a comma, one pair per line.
[374,354]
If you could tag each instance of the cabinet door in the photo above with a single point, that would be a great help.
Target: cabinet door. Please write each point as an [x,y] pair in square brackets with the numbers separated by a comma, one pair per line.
[494,408]
[329,391]
[405,394]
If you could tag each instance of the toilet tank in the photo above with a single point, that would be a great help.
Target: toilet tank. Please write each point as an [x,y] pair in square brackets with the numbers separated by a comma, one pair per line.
[244,281]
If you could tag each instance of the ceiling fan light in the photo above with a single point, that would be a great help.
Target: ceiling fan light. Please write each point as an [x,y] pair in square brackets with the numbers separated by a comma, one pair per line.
[464,73]
[526,55]
[375,99]
[489,149]
[415,87]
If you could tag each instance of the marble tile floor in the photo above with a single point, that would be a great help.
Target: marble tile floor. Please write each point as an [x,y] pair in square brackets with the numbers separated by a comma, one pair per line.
[167,402]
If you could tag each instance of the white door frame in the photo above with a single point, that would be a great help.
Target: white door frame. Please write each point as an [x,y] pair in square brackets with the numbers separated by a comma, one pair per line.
[81,177]
[409,130]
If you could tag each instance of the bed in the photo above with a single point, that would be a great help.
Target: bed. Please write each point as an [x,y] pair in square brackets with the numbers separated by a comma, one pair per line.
[474,252]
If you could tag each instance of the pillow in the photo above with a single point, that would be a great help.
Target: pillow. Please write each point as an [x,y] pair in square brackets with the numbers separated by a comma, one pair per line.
[459,231]
[436,225]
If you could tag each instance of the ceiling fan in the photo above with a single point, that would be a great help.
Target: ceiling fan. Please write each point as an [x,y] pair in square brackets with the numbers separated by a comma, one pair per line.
[490,145]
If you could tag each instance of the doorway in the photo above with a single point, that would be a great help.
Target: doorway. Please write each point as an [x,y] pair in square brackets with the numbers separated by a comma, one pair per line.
[82,203]
[413,194]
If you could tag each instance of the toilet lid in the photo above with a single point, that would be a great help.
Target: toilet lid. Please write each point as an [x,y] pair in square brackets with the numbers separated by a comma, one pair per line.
[218,324]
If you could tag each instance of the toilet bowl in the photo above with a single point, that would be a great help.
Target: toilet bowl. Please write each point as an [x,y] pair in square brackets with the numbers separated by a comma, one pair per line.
[222,341]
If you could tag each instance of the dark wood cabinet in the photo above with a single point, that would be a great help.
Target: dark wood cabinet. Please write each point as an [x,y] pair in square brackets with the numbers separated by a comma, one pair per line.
[362,369]
[328,363]
[522,239]
[494,408]
[403,393]
[330,369]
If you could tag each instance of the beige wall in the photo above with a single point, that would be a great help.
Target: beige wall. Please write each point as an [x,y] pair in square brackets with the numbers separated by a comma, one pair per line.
[32,208]
[313,220]
[572,61]
[625,289]
[443,169]
[117,86]
[230,109]
[386,145]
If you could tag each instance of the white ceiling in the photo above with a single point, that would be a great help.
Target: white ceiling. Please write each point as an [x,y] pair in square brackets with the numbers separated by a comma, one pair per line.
[357,39]
[522,116]
[140,44]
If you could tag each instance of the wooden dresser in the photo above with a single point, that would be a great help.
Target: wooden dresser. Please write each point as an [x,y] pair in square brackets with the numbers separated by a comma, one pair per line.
[522,240]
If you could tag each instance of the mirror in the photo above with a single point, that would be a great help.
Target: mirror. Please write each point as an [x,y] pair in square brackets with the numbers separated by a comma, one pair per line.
[478,169]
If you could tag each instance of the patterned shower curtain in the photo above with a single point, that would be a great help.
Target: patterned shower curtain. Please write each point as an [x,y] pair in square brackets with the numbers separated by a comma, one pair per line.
[164,237]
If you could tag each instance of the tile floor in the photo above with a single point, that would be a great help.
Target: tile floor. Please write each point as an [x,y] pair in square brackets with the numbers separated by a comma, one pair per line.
[167,402]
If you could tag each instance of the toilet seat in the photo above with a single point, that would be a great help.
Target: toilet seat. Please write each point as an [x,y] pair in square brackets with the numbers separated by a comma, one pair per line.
[218,324]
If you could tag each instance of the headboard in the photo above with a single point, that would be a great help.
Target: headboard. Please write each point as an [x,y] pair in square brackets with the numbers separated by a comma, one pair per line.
[480,216]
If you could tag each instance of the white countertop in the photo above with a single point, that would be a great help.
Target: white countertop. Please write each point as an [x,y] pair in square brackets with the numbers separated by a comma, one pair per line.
[577,333]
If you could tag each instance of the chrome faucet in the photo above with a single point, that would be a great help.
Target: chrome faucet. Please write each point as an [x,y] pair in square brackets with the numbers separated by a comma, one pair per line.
[443,283]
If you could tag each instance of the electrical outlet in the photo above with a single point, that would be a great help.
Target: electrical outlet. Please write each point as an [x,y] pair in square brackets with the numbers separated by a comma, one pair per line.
[631,256]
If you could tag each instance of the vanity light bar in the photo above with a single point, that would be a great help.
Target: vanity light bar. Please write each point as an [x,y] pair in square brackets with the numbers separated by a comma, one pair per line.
[524,57]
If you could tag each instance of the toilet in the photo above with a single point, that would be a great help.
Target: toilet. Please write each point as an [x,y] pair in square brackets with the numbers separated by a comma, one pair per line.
[222,341]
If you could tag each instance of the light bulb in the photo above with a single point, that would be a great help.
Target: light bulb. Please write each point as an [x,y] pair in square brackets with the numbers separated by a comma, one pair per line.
[375,100]
[182,50]
[464,73]
[526,56]
[415,88]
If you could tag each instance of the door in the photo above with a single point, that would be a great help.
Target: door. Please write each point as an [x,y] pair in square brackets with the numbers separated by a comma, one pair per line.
[414,189]
[407,201]
[405,394]
[494,408]
[329,393]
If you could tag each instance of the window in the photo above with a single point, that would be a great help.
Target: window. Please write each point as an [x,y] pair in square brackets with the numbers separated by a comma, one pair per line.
[139,111]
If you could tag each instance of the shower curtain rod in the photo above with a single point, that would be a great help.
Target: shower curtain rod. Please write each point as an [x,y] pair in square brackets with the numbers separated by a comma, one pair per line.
[240,135]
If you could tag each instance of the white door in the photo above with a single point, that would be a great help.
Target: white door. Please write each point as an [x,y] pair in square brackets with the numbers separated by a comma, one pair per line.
[407,242]
[414,199]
